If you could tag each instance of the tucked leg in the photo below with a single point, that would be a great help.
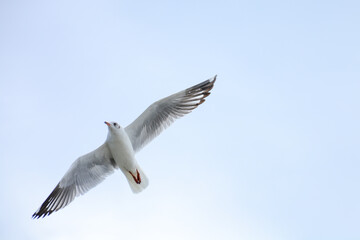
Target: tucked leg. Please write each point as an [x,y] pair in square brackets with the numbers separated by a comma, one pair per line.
[137,179]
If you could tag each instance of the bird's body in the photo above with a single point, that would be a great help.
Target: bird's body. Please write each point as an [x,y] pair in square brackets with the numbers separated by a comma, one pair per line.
[118,151]
[121,149]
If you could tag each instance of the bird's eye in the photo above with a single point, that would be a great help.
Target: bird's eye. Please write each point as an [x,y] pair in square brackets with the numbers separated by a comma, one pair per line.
[115,124]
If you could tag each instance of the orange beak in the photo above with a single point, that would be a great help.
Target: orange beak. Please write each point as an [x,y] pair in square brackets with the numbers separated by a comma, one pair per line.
[107,123]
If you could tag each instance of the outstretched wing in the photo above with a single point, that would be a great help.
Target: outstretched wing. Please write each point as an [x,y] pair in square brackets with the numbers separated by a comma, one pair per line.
[162,113]
[85,173]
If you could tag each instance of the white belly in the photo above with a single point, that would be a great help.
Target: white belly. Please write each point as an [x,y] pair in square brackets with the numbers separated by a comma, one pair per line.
[122,151]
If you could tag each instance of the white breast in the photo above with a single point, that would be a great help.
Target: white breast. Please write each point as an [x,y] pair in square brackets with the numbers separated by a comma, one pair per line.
[121,149]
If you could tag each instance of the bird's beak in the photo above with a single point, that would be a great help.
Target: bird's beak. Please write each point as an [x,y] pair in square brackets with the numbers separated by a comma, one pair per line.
[107,123]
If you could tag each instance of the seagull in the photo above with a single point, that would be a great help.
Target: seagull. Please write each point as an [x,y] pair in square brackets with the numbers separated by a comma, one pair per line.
[121,144]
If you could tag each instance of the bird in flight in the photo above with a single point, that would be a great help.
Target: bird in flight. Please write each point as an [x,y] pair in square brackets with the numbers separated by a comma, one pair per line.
[118,151]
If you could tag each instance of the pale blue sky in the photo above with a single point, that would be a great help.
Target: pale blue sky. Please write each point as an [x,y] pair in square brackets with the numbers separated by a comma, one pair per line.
[272,154]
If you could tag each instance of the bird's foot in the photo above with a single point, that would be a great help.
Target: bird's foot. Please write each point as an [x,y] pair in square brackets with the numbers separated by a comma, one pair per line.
[137,179]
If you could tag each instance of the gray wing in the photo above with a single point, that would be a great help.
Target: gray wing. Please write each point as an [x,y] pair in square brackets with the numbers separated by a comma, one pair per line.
[162,113]
[85,173]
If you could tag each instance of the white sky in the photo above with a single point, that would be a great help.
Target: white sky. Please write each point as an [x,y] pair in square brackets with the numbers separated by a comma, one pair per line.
[272,154]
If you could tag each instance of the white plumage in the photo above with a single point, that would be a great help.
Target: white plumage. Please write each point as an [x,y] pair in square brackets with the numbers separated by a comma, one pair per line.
[118,151]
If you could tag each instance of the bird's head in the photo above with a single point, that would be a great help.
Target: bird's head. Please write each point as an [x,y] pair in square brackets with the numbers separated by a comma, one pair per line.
[113,125]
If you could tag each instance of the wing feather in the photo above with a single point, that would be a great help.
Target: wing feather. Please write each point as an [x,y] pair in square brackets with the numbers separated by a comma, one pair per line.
[162,113]
[85,173]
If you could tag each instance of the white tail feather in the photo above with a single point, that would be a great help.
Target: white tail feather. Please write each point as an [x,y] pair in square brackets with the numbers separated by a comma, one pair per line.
[137,187]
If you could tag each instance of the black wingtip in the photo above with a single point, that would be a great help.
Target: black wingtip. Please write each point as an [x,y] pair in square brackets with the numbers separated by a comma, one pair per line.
[214,78]
[46,208]
[38,215]
[35,216]
[42,214]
